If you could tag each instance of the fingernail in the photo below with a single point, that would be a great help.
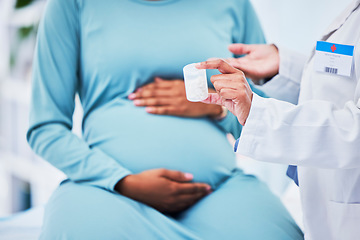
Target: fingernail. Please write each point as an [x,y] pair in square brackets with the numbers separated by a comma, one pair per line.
[197,65]
[208,188]
[149,109]
[132,96]
[137,102]
[188,176]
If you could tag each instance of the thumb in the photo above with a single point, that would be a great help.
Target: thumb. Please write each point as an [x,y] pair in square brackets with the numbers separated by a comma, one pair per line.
[213,98]
[240,49]
[177,176]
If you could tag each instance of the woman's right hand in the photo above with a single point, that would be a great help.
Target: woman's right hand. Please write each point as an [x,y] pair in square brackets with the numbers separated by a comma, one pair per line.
[260,60]
[165,190]
[168,97]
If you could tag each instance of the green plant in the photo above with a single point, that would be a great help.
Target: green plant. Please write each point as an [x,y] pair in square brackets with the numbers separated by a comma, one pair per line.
[24,32]
[23,3]
[23,35]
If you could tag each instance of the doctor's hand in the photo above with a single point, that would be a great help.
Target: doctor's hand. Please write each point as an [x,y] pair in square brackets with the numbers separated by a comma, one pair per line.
[260,61]
[165,190]
[232,89]
[168,97]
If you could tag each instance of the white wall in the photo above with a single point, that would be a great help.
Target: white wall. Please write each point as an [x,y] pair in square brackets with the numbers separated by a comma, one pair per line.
[297,24]
[22,175]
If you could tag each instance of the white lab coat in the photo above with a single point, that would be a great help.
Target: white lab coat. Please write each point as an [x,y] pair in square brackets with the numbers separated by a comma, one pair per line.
[321,134]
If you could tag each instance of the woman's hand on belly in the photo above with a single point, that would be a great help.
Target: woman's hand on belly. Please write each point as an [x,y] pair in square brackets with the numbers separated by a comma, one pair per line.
[168,97]
[165,190]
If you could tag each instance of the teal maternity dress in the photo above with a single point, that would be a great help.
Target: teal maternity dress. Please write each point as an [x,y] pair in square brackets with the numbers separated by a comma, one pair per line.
[104,50]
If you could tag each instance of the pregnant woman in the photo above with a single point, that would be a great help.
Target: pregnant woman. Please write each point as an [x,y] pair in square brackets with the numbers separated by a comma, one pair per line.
[137,173]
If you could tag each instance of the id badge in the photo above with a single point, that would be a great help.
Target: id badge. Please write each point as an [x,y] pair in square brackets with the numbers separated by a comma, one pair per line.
[334,58]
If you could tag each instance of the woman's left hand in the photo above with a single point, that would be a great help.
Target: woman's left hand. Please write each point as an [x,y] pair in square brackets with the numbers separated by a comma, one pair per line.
[168,97]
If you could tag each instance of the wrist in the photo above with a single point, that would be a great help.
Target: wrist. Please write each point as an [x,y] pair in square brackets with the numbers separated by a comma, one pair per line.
[248,112]
[122,185]
[276,62]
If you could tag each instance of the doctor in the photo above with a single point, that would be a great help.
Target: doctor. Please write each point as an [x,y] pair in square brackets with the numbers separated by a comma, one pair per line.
[314,123]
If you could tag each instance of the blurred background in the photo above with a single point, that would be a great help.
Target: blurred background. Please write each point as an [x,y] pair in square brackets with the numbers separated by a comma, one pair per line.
[26,180]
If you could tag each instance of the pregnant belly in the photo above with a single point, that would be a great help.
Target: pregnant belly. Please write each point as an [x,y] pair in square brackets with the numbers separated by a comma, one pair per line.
[140,141]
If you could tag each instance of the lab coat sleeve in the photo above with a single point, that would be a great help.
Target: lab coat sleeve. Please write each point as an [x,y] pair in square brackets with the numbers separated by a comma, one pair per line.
[286,85]
[312,134]
[55,83]
[247,30]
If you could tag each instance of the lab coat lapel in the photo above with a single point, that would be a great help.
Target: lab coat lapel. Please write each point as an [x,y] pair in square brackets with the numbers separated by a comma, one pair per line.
[339,21]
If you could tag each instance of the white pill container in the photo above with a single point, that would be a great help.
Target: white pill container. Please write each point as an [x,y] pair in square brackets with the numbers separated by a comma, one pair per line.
[196,86]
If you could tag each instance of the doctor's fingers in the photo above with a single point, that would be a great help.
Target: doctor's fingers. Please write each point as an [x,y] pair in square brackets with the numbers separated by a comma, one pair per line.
[213,98]
[241,63]
[234,95]
[219,64]
[245,64]
[254,70]
[234,61]
[234,81]
[240,48]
